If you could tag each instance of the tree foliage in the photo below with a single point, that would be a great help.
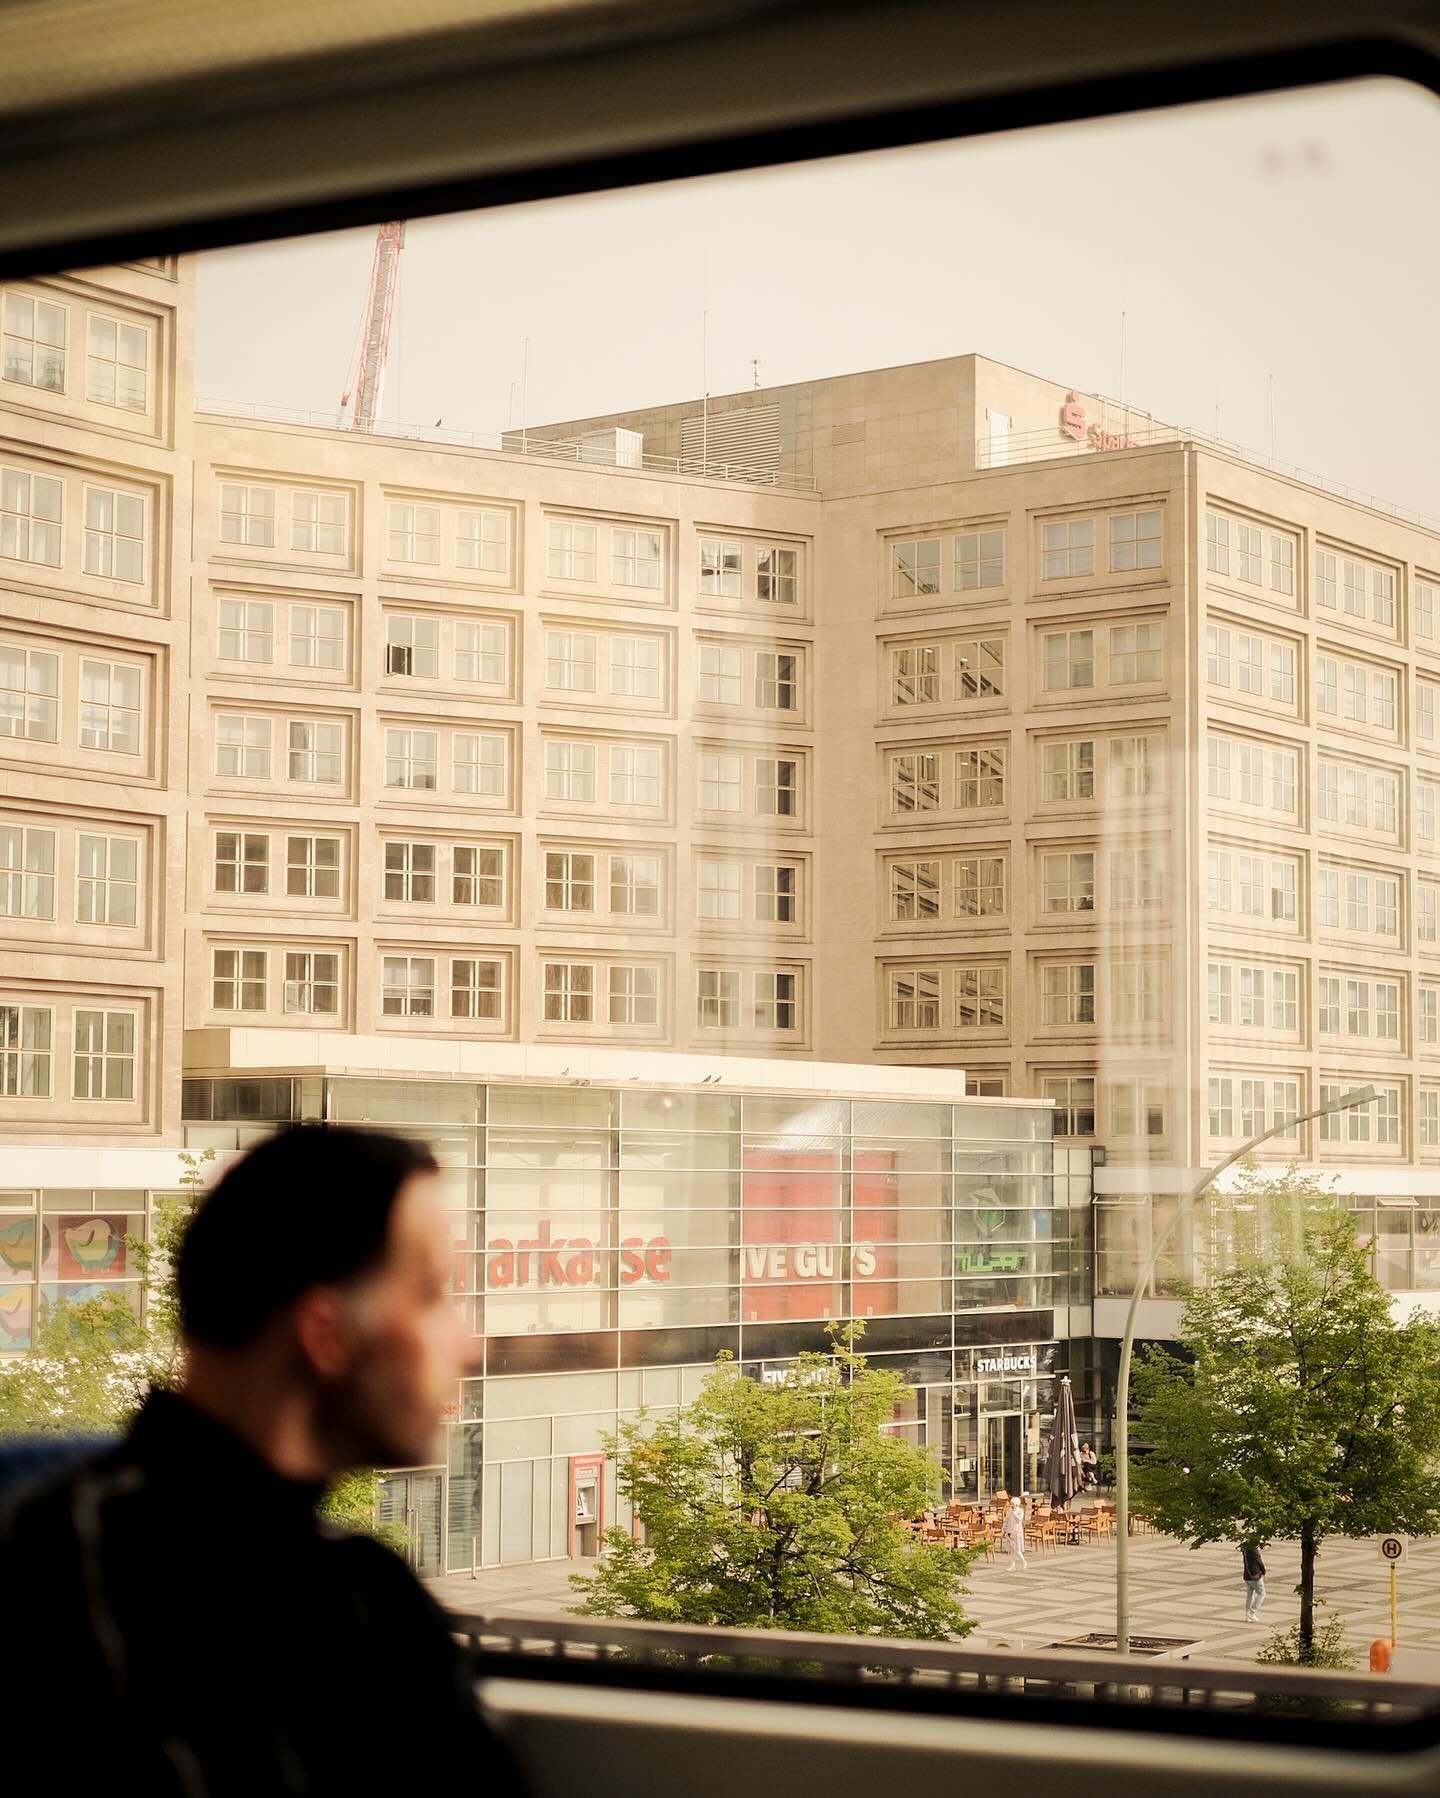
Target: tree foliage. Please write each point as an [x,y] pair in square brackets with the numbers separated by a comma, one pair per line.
[1307,1411]
[778,1507]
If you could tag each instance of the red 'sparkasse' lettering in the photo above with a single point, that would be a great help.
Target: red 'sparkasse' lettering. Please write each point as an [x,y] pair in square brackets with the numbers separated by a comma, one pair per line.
[549,1260]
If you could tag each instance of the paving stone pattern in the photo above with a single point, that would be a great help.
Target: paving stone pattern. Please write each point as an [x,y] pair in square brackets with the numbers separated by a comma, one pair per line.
[1193,1596]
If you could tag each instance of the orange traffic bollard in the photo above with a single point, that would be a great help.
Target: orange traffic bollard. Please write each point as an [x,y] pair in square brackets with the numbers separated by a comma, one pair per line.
[1380,1655]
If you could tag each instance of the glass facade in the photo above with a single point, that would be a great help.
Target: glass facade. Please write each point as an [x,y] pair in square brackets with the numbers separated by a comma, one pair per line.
[610,1242]
[59,1244]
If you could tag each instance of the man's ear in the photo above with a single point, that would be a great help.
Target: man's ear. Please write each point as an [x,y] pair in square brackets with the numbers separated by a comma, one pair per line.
[324,1331]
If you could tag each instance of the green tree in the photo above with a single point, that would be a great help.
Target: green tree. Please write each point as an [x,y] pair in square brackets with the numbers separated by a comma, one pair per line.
[779,1507]
[1306,1411]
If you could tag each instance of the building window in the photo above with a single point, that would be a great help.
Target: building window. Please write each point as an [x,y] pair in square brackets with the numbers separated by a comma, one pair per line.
[915,782]
[25,1051]
[34,349]
[31,513]
[914,891]
[247,515]
[117,364]
[1429,1117]
[412,759]
[27,873]
[1134,541]
[1136,767]
[481,653]
[104,1054]
[478,765]
[634,775]
[1220,992]
[410,873]
[414,533]
[979,560]
[979,778]
[1067,993]
[242,746]
[915,674]
[774,995]
[634,995]
[475,988]
[914,999]
[1067,660]
[107,872]
[317,523]
[1325,588]
[1073,1096]
[1137,1108]
[720,782]
[412,647]
[775,893]
[720,567]
[979,998]
[1067,770]
[569,881]
[1067,549]
[1221,1108]
[1327,686]
[776,575]
[1249,664]
[1382,596]
[1425,610]
[915,568]
[570,550]
[110,707]
[407,986]
[477,875]
[114,535]
[635,885]
[312,867]
[29,693]
[1425,811]
[1427,912]
[1217,543]
[569,992]
[1137,879]
[316,751]
[570,661]
[635,558]
[980,668]
[1135,651]
[720,674]
[1354,601]
[1249,553]
[312,982]
[482,540]
[1282,673]
[1282,564]
[775,689]
[717,998]
[1067,881]
[635,667]
[247,630]
[1425,692]
[317,637]
[1428,1017]
[777,787]
[1217,655]
[238,979]
[242,862]
[717,890]
[979,886]
[1137,992]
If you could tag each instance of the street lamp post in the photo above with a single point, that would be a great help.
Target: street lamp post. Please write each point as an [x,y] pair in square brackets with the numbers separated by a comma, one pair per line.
[1364,1095]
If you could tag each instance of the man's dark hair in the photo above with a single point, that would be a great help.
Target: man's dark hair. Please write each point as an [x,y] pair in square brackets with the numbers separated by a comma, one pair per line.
[309,1207]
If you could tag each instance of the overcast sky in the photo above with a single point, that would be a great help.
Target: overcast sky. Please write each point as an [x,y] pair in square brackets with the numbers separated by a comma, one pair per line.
[1283,245]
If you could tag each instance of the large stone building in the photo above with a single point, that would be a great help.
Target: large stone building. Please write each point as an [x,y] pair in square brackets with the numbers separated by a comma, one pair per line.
[936,716]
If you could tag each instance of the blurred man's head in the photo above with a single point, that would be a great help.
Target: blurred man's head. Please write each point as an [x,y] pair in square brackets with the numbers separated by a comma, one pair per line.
[323,1255]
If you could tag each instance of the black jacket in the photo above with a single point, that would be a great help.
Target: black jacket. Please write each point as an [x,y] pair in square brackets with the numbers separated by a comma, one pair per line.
[1251,1566]
[210,1637]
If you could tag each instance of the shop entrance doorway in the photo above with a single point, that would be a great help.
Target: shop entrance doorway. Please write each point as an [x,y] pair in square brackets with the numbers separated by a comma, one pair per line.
[1001,1445]
[414,1500]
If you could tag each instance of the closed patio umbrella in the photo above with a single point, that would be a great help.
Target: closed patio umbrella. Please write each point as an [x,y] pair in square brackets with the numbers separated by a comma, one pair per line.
[1063,1474]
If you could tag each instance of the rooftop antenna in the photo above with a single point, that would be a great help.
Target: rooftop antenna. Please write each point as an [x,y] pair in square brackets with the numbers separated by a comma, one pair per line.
[1124,407]
[755,370]
[375,342]
[705,392]
[525,401]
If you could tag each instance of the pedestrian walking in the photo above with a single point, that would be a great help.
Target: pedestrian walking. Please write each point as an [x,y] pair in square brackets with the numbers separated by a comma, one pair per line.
[1253,1569]
[1012,1535]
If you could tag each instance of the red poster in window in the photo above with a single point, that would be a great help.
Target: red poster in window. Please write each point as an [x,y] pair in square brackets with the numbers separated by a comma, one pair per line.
[790,1247]
[875,1201]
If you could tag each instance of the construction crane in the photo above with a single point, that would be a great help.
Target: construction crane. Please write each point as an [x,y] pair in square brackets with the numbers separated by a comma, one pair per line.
[375,328]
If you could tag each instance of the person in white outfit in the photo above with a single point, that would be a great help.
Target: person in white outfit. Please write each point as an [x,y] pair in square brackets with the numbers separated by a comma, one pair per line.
[1012,1535]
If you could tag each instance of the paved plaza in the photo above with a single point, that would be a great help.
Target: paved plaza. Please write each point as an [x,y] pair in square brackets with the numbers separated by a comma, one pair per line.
[1193,1596]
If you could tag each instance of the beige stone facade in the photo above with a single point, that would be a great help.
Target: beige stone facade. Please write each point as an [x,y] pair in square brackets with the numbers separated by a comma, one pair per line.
[935,715]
